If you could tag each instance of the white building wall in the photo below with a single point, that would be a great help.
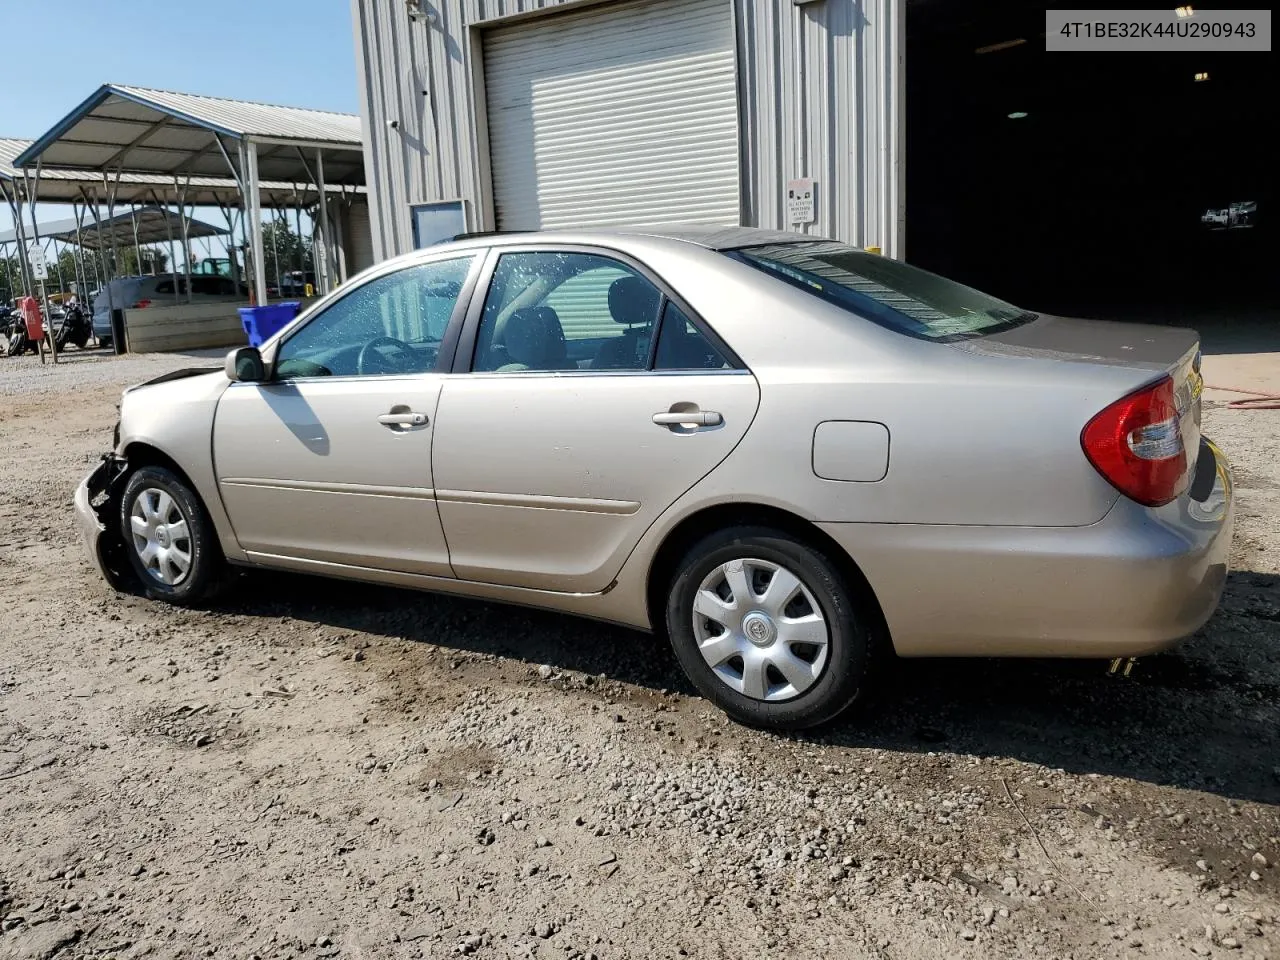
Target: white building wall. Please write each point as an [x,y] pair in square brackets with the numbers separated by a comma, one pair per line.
[820,95]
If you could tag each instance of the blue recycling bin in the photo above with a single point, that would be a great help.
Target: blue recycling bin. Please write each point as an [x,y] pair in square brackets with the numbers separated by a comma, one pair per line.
[262,322]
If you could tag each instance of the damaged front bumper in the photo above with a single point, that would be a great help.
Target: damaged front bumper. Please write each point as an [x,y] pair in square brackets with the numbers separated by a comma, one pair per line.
[97,505]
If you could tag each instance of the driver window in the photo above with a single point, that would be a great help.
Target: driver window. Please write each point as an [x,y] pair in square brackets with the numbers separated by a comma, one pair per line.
[389,326]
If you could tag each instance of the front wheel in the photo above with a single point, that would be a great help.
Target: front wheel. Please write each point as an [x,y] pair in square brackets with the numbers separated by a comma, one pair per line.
[766,628]
[170,542]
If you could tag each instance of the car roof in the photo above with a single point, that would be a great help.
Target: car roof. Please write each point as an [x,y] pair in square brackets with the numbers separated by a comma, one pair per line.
[712,237]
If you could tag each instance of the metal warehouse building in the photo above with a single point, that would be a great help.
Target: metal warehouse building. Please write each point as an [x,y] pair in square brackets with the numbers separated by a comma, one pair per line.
[940,131]
[519,114]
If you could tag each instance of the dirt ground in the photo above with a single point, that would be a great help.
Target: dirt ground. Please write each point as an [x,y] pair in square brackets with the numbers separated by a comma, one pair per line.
[317,769]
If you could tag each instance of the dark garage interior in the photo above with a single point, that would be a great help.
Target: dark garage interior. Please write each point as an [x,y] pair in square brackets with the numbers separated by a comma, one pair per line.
[1129,186]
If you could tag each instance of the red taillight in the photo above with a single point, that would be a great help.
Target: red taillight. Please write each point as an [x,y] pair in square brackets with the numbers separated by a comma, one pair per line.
[140,304]
[1136,444]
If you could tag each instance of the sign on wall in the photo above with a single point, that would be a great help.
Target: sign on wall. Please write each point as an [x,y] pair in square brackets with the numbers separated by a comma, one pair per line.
[800,205]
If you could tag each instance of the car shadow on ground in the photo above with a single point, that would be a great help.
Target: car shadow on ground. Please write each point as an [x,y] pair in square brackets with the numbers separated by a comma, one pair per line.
[1205,716]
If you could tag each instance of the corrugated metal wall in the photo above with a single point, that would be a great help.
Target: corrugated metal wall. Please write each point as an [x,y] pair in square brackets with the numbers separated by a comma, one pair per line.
[820,94]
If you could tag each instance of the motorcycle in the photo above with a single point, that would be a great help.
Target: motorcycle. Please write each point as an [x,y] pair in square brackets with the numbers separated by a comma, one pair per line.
[14,339]
[76,327]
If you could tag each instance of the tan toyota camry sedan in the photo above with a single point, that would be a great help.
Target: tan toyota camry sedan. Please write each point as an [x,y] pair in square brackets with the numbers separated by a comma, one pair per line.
[790,456]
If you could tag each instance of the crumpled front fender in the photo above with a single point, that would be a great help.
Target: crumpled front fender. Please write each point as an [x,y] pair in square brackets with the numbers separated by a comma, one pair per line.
[97,504]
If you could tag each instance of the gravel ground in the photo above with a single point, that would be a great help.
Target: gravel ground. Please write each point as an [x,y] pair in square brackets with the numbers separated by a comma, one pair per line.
[315,769]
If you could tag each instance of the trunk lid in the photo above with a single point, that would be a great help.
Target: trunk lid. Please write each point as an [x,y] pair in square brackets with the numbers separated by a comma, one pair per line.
[1148,349]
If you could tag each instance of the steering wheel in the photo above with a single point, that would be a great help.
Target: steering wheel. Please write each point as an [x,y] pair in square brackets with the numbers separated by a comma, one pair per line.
[382,365]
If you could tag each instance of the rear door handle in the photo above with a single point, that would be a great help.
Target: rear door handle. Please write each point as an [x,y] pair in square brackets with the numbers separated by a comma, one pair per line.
[402,419]
[691,418]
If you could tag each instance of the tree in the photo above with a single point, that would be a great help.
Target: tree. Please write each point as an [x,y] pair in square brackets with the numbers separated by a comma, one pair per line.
[154,260]
[280,243]
[10,279]
[72,261]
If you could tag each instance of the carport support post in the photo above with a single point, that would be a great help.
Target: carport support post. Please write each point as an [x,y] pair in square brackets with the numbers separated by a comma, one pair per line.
[297,219]
[324,217]
[246,205]
[57,266]
[111,216]
[81,274]
[108,269]
[253,194]
[8,273]
[14,201]
[181,192]
[33,193]
[275,249]
[168,229]
[230,244]
[339,250]
[137,247]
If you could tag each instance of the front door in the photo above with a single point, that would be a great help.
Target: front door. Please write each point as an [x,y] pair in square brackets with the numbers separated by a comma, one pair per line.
[330,461]
[573,431]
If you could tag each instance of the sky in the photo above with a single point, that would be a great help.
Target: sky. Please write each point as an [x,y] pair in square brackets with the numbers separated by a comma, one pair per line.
[298,53]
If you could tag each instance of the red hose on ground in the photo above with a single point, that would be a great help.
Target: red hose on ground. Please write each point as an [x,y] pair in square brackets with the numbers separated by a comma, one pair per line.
[1257,400]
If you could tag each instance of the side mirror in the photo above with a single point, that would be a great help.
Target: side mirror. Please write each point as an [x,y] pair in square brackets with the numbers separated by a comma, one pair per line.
[244,364]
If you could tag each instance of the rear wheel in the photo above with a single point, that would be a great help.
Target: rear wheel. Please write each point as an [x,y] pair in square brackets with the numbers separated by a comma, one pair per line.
[766,627]
[171,543]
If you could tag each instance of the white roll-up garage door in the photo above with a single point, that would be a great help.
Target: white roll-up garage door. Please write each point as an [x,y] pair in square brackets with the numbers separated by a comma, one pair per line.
[624,113]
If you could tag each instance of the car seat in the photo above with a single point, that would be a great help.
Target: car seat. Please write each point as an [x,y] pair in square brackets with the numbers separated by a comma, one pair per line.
[632,301]
[534,340]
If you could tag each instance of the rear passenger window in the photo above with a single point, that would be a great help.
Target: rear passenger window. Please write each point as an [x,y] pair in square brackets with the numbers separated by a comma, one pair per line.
[681,346]
[566,311]
[582,303]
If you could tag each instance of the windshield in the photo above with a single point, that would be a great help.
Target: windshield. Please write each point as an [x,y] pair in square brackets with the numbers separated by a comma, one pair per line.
[888,292]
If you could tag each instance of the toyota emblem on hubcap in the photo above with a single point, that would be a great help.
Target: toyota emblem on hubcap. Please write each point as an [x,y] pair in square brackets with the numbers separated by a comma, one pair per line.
[759,629]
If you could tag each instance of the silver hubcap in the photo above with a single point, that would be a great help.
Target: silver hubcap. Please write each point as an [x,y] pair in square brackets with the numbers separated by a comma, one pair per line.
[760,629]
[160,536]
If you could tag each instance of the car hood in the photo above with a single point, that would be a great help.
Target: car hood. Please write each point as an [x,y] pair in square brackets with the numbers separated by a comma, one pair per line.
[172,375]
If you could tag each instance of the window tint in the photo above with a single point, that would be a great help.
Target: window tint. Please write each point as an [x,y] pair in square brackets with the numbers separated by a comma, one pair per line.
[681,346]
[566,311]
[391,325]
[886,291]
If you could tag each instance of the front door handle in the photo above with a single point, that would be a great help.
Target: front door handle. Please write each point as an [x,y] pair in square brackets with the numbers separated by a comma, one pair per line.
[409,419]
[688,418]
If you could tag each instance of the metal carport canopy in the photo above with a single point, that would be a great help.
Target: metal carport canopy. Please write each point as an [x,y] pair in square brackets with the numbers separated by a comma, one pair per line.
[122,129]
[75,186]
[154,225]
[137,130]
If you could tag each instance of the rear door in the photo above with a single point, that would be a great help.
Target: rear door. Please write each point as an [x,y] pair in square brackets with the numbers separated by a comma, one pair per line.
[565,431]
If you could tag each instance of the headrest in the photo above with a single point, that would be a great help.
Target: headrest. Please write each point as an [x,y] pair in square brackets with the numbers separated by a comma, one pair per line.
[633,300]
[534,337]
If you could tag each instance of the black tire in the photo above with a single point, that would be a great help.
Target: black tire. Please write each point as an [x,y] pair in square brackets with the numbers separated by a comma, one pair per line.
[844,673]
[205,565]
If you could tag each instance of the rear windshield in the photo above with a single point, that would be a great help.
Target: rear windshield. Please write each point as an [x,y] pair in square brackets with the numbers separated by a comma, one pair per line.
[888,292]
